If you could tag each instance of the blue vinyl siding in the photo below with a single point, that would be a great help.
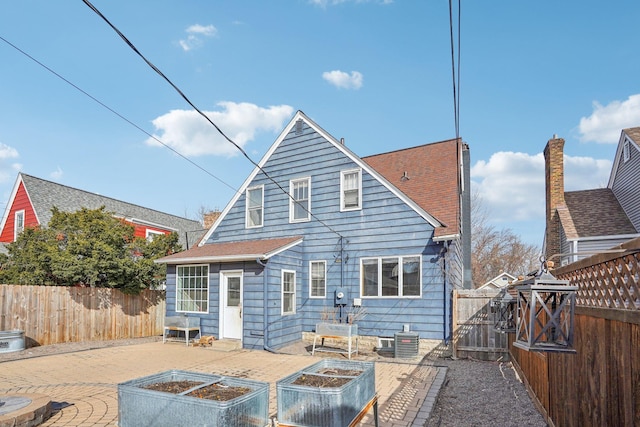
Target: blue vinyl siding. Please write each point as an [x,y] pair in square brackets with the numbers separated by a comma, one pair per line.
[385,226]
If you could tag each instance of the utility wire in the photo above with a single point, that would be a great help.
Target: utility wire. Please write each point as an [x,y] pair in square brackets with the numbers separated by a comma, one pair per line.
[455,68]
[188,101]
[115,112]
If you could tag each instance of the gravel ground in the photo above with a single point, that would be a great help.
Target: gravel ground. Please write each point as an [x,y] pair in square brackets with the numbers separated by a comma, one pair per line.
[477,393]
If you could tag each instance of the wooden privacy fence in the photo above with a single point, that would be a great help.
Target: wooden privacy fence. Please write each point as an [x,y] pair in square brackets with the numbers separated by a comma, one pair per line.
[600,383]
[474,335]
[57,314]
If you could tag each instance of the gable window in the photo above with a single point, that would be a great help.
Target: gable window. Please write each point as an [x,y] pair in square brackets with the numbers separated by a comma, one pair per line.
[288,292]
[391,276]
[255,202]
[318,279]
[18,225]
[625,150]
[192,288]
[350,190]
[300,200]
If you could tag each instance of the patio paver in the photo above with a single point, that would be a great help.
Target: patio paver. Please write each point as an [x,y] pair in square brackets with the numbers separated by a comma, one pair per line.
[83,385]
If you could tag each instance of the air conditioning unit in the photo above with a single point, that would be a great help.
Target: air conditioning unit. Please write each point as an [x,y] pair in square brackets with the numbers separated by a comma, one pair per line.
[406,345]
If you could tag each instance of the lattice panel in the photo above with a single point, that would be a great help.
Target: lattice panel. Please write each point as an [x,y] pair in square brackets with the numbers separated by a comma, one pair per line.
[611,284]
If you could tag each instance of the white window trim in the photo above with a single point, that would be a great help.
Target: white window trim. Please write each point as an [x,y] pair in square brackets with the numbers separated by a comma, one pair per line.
[16,232]
[282,312]
[246,211]
[208,288]
[380,296]
[342,174]
[150,233]
[292,202]
[324,263]
[626,152]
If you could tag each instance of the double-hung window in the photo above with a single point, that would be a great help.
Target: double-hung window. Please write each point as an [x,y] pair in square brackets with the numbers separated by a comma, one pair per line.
[288,292]
[391,276]
[18,224]
[318,279]
[350,190]
[192,288]
[300,201]
[255,206]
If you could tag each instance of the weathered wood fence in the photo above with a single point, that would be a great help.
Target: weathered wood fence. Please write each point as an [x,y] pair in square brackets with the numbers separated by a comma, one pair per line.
[600,384]
[57,314]
[474,334]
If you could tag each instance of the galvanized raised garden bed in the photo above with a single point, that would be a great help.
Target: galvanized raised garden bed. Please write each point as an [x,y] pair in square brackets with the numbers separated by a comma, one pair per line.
[139,406]
[309,406]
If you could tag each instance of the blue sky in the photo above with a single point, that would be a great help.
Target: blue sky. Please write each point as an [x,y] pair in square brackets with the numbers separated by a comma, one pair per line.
[377,73]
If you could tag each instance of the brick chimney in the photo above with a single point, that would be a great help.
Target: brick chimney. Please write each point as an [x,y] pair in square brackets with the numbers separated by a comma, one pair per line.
[554,192]
[210,217]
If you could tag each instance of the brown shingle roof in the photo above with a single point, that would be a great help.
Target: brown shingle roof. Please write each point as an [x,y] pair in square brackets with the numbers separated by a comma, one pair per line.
[596,213]
[233,251]
[432,183]
[633,133]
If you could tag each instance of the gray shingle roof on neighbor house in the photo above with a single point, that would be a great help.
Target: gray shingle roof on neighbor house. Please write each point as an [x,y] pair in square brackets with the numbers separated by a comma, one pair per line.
[595,212]
[44,195]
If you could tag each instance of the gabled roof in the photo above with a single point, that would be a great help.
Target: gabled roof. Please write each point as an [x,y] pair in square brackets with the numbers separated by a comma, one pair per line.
[501,280]
[590,213]
[428,174]
[384,180]
[250,250]
[633,136]
[44,195]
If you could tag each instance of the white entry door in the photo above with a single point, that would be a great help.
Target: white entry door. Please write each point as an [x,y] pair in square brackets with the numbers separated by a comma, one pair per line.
[231,305]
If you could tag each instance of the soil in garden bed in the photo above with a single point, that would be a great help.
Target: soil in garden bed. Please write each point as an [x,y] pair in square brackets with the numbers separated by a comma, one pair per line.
[328,378]
[219,392]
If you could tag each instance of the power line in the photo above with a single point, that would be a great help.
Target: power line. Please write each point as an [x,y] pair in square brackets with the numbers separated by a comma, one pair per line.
[188,101]
[115,112]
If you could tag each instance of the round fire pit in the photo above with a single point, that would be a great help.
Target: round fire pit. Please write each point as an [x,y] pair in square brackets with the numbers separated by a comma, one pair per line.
[24,410]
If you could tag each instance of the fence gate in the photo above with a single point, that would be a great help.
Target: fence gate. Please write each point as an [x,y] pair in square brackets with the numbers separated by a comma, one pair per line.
[474,336]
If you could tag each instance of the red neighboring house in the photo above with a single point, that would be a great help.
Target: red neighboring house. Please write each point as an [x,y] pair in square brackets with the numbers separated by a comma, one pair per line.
[33,198]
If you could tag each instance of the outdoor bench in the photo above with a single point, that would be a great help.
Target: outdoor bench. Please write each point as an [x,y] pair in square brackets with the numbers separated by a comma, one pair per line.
[175,325]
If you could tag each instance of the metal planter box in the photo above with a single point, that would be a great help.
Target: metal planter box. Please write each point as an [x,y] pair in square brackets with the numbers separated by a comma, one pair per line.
[139,407]
[301,405]
[346,330]
[11,341]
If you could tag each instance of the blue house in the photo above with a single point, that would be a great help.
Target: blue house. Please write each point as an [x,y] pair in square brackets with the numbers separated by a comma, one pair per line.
[314,222]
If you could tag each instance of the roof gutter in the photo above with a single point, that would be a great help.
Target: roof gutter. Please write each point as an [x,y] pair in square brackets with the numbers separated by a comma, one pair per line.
[213,259]
[446,238]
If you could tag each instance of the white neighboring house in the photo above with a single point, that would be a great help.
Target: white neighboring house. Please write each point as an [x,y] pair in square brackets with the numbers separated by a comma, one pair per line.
[500,281]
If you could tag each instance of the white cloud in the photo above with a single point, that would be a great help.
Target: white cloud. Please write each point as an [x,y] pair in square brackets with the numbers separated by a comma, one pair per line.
[606,122]
[208,30]
[190,134]
[511,185]
[8,170]
[343,80]
[56,174]
[195,34]
[7,152]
